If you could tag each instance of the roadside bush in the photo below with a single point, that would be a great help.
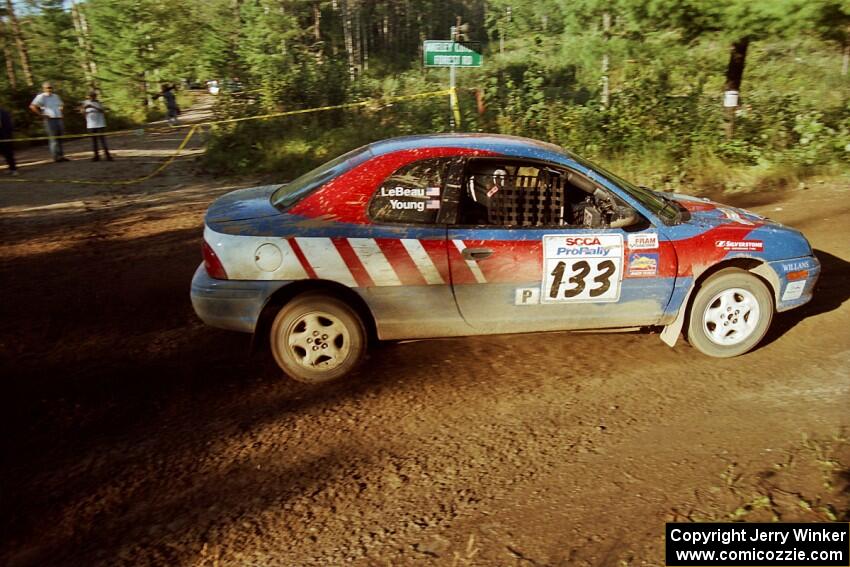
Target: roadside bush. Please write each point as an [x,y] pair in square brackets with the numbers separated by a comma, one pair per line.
[662,126]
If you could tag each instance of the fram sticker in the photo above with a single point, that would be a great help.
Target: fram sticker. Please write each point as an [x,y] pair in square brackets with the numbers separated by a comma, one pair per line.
[643,265]
[493,191]
[741,245]
[527,296]
[648,241]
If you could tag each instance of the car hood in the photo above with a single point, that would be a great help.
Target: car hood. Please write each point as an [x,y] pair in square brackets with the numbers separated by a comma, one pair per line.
[244,204]
[709,214]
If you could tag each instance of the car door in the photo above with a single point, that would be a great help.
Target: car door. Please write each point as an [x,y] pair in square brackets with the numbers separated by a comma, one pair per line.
[401,256]
[543,260]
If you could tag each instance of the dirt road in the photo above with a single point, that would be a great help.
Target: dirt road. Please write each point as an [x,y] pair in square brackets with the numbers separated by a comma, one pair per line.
[135,435]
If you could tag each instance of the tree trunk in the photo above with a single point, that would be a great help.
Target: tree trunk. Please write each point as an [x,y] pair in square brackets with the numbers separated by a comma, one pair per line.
[364,41]
[734,76]
[317,20]
[22,44]
[348,38]
[84,26]
[735,69]
[606,34]
[357,37]
[317,33]
[78,31]
[7,56]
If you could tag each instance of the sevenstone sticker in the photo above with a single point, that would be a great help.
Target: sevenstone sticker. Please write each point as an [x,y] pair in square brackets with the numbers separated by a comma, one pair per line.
[740,245]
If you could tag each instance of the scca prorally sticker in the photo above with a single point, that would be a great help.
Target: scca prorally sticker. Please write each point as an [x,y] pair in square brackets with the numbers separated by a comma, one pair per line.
[643,241]
[741,245]
[582,268]
[643,265]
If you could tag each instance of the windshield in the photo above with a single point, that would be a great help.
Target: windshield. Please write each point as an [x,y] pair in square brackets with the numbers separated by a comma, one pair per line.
[293,192]
[665,208]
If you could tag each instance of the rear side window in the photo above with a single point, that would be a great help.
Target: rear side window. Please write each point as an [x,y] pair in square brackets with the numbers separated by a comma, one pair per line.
[411,194]
[293,192]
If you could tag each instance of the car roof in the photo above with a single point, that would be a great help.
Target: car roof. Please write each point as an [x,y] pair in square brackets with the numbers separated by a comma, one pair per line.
[497,143]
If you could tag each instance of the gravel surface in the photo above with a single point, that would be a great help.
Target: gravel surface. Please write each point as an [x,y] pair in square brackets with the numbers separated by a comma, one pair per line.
[135,435]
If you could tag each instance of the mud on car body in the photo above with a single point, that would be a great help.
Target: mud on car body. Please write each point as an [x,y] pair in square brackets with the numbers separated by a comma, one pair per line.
[452,235]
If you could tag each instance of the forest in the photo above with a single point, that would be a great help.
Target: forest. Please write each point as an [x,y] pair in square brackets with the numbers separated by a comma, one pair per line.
[636,85]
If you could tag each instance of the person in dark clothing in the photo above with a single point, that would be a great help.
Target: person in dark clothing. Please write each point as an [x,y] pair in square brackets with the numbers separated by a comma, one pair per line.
[7,148]
[170,99]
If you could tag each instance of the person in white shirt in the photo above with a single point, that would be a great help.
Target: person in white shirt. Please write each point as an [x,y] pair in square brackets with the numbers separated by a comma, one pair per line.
[95,124]
[49,106]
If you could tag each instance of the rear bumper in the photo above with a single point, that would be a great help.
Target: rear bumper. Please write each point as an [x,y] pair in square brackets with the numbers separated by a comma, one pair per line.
[230,304]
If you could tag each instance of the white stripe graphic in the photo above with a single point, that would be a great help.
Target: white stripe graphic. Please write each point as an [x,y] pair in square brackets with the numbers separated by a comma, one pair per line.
[422,260]
[373,259]
[323,256]
[473,265]
[290,266]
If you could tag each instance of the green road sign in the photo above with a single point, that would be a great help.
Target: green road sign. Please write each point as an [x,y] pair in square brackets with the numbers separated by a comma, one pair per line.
[439,53]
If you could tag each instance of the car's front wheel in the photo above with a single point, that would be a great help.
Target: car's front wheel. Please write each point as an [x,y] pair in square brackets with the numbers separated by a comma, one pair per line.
[317,338]
[730,314]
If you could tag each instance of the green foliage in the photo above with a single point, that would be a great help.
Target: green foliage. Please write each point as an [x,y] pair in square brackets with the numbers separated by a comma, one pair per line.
[542,77]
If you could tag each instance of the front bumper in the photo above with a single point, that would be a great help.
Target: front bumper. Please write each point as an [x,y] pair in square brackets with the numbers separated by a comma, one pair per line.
[796,280]
[230,304]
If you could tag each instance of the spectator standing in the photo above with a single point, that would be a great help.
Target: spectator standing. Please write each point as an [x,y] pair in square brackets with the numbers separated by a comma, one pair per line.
[49,106]
[170,103]
[95,124]
[7,149]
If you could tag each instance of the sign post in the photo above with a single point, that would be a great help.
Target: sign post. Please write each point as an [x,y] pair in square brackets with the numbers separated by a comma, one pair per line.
[452,54]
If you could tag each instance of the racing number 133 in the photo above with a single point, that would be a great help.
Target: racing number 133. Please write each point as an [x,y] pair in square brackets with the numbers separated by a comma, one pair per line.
[581,269]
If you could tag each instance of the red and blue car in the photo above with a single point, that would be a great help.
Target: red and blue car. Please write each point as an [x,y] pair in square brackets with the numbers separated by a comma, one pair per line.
[467,234]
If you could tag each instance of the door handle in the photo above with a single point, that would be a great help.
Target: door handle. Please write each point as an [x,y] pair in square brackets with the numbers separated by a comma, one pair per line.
[477,253]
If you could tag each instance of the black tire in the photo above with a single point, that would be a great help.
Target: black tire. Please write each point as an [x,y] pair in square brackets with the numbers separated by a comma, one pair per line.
[730,314]
[317,338]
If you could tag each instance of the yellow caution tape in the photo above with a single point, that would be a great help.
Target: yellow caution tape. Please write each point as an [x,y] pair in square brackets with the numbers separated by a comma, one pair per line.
[157,171]
[242,119]
[194,127]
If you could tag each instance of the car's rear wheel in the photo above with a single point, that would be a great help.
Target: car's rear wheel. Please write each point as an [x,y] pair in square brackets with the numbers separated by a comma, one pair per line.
[317,338]
[730,314]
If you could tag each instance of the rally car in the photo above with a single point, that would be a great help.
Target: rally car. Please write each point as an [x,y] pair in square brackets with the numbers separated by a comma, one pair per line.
[465,234]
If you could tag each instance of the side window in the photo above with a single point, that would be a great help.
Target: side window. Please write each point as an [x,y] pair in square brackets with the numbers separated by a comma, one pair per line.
[411,194]
[530,194]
